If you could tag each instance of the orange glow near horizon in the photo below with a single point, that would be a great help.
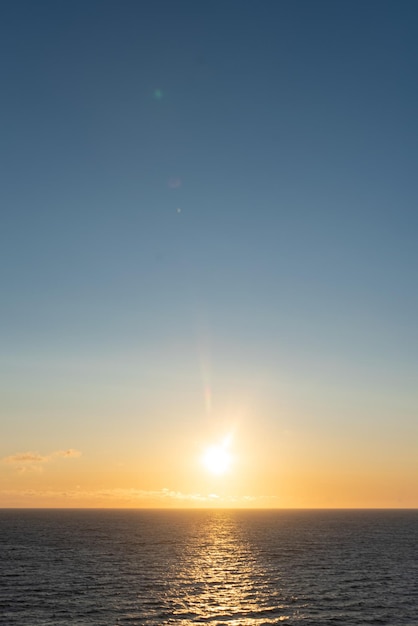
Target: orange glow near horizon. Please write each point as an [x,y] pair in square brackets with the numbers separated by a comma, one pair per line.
[250,467]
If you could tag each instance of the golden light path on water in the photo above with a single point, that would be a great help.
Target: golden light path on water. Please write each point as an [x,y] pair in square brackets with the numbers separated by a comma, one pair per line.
[220,580]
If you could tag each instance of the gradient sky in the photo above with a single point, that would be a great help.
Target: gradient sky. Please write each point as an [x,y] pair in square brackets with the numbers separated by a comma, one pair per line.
[209,228]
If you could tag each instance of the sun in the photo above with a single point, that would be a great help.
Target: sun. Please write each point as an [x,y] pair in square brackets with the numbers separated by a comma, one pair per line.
[217,459]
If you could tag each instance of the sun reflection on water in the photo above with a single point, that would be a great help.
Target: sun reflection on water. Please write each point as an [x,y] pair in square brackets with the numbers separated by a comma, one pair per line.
[219,579]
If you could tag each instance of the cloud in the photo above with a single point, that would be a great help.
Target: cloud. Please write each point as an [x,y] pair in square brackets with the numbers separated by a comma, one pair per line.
[130,498]
[25,457]
[33,461]
[70,453]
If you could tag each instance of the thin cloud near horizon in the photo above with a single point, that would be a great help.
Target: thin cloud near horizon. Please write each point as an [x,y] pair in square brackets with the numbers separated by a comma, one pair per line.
[135,496]
[36,457]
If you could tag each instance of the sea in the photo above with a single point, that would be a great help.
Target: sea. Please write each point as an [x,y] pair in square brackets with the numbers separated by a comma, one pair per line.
[229,567]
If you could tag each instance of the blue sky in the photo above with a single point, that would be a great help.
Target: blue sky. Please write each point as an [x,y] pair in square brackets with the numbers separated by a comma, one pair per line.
[226,183]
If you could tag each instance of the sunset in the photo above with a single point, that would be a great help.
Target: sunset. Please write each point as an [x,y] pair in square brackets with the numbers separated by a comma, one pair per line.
[209,345]
[203,237]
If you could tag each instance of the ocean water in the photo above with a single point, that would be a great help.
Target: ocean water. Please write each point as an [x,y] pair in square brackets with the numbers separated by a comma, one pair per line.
[238,568]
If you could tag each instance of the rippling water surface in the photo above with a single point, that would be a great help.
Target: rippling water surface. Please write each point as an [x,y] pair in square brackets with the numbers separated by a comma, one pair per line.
[239,568]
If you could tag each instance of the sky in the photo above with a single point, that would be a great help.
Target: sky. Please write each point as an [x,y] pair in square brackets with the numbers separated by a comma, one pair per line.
[209,241]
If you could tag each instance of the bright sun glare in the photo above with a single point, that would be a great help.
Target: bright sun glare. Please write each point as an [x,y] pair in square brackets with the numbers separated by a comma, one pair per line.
[217,458]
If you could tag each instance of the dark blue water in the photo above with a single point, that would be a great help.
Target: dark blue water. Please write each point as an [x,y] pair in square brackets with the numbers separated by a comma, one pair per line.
[239,568]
